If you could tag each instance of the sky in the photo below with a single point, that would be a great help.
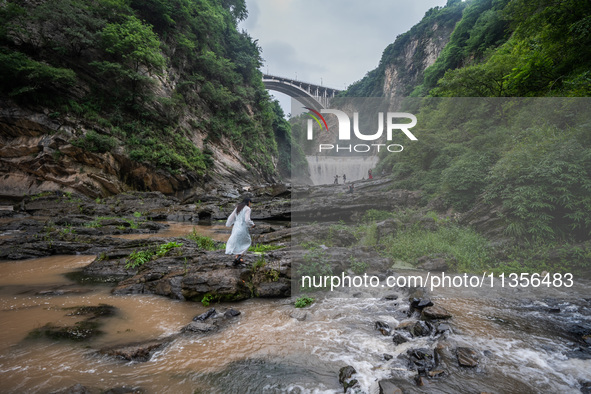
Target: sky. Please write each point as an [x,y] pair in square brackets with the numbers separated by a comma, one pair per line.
[328,42]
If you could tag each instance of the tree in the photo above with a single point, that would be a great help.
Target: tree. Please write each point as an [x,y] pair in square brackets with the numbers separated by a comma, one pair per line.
[134,46]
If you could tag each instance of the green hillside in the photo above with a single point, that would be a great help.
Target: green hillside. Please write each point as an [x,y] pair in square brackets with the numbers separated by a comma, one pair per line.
[517,170]
[147,79]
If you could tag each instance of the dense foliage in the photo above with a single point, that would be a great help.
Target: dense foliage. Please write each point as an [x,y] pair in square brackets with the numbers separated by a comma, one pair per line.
[527,159]
[517,48]
[530,156]
[148,74]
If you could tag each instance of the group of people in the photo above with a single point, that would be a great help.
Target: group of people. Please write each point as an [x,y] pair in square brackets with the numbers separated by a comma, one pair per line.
[369,176]
[336,179]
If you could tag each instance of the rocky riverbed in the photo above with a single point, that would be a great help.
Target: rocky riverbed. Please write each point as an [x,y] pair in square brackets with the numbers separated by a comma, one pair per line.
[404,340]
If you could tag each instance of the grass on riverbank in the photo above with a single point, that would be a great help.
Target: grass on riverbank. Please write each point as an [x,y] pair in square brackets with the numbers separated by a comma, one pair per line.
[210,244]
[414,234]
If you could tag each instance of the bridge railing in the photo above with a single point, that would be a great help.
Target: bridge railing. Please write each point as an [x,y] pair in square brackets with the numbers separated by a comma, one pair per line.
[297,81]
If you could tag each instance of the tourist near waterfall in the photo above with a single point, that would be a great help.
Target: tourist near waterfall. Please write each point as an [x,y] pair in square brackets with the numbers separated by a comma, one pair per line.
[239,240]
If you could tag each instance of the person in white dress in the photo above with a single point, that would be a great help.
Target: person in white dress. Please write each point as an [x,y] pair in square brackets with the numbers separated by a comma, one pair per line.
[239,240]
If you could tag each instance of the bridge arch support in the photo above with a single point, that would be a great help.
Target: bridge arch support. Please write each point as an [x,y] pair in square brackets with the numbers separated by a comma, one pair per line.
[310,95]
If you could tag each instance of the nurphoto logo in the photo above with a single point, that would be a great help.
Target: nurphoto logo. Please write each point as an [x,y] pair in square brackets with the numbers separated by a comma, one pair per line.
[344,130]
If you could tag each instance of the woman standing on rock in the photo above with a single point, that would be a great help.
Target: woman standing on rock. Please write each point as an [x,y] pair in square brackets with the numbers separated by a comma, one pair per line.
[239,240]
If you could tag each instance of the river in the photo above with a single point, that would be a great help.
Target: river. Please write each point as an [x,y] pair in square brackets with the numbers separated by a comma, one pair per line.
[521,334]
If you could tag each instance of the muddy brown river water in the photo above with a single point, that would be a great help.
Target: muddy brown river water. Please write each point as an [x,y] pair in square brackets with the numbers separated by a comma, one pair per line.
[266,350]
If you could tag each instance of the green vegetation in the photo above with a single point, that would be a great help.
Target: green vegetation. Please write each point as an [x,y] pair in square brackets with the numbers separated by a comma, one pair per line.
[314,263]
[98,222]
[95,142]
[147,77]
[526,159]
[535,165]
[260,248]
[547,54]
[303,302]
[358,267]
[138,258]
[204,242]
[208,299]
[259,263]
[469,250]
[497,48]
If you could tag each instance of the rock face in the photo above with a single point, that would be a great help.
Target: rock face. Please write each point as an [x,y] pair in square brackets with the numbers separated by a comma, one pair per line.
[37,154]
[140,352]
[435,313]
[388,387]
[432,264]
[467,357]
[62,223]
[486,219]
[328,203]
[405,72]
[346,378]
[194,274]
[404,61]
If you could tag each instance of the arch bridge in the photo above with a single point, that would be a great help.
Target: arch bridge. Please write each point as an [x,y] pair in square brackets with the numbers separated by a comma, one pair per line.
[309,94]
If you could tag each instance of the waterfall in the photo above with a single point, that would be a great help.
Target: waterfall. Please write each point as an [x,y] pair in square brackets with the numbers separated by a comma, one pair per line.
[324,168]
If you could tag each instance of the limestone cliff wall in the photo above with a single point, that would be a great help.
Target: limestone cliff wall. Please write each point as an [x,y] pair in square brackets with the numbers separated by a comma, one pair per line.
[406,71]
[36,155]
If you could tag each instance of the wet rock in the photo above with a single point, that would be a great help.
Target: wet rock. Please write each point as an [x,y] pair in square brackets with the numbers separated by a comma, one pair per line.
[80,331]
[436,374]
[387,356]
[205,315]
[346,377]
[299,315]
[382,327]
[581,353]
[60,292]
[585,387]
[124,390]
[75,389]
[579,330]
[420,329]
[432,264]
[388,387]
[231,313]
[467,357]
[273,289]
[443,328]
[444,355]
[101,310]
[398,339]
[422,360]
[139,352]
[200,327]
[435,313]
[388,228]
[420,303]
[195,273]
[420,381]
[391,297]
